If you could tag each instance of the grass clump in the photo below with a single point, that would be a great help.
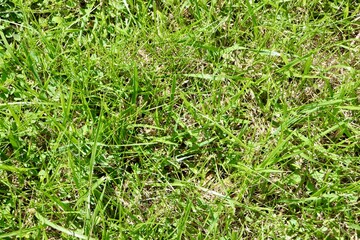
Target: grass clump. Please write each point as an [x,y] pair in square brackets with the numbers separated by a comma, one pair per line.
[179,119]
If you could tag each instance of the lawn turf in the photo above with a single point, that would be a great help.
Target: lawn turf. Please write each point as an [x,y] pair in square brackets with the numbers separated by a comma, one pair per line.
[174,119]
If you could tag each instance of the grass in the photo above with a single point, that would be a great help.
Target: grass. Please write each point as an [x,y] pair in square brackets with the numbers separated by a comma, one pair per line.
[179,119]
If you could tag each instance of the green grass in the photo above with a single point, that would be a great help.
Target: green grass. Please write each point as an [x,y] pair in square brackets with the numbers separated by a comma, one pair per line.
[176,119]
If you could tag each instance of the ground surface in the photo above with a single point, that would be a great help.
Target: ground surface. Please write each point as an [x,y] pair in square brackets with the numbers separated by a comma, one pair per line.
[179,119]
